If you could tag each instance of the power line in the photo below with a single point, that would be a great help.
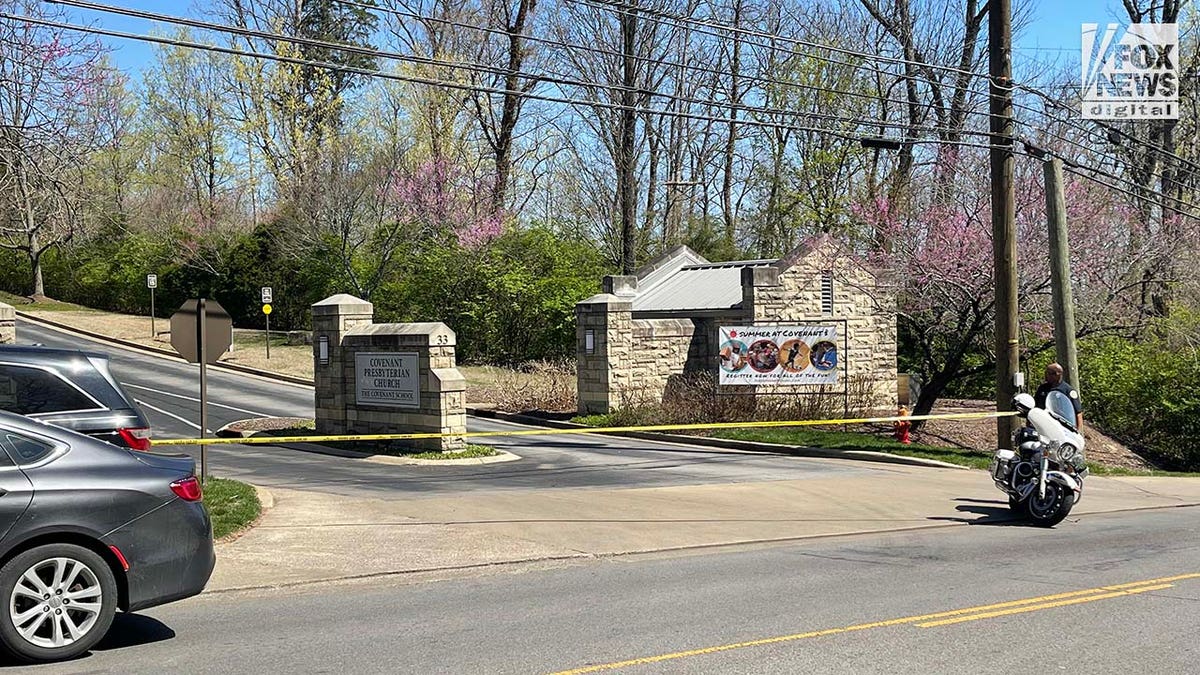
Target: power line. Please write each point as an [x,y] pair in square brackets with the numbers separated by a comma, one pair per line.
[550,77]
[557,79]
[637,57]
[620,7]
[1080,171]
[1108,128]
[480,89]
[569,101]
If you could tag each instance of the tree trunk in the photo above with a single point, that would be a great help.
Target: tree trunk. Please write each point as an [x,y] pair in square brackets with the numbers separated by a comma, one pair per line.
[655,144]
[930,393]
[512,104]
[731,142]
[35,266]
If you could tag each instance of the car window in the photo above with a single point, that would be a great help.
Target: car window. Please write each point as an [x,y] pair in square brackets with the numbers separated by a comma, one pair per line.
[26,450]
[30,391]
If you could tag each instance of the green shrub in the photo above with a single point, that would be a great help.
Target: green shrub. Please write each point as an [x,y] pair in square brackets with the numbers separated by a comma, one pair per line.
[1146,392]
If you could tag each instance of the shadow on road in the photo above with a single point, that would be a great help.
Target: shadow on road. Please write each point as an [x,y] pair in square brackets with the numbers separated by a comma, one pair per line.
[128,630]
[990,515]
[133,630]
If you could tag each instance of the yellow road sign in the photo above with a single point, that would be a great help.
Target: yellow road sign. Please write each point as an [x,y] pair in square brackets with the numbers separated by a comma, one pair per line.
[266,309]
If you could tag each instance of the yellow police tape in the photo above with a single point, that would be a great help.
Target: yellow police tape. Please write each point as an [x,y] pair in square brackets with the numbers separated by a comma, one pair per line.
[267,440]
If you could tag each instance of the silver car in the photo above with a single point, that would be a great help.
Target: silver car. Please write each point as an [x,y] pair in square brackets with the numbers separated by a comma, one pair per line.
[87,528]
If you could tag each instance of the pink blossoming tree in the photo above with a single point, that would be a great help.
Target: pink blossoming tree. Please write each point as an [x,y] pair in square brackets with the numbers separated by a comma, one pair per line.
[941,268]
[48,80]
[374,215]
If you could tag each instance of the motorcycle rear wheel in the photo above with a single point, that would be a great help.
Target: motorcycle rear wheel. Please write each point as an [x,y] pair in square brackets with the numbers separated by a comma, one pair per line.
[1052,509]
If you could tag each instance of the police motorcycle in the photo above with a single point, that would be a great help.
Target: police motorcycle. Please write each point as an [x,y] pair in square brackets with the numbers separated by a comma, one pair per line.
[1044,476]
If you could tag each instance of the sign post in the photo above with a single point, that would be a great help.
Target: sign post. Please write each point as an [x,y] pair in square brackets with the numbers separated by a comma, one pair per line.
[267,313]
[201,331]
[202,342]
[152,283]
[266,299]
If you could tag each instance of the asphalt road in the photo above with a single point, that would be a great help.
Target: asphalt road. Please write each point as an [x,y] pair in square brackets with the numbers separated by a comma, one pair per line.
[696,609]
[168,391]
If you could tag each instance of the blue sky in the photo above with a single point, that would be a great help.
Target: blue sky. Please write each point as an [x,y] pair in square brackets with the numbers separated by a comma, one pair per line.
[1051,35]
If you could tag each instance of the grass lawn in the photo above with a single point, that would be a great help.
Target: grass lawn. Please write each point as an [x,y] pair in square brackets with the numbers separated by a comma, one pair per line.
[471,452]
[396,450]
[24,304]
[231,504]
[846,440]
[808,437]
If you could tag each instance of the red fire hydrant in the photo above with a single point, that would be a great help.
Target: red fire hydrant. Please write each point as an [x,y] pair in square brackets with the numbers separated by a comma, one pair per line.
[902,426]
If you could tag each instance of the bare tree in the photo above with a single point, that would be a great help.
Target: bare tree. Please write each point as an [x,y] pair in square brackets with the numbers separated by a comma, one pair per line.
[49,79]
[512,48]
[616,82]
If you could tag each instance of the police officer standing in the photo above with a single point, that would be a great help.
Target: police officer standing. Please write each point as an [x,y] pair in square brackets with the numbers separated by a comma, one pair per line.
[1054,382]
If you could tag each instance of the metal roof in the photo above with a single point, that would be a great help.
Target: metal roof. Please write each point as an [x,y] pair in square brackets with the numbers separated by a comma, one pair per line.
[709,286]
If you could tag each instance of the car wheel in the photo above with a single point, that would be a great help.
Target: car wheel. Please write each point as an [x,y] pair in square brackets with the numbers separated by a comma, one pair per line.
[56,602]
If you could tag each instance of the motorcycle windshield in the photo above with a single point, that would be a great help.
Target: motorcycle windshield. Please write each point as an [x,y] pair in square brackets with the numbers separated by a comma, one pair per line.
[1059,405]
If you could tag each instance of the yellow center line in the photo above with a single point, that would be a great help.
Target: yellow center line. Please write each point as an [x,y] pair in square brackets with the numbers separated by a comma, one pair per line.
[1046,605]
[926,620]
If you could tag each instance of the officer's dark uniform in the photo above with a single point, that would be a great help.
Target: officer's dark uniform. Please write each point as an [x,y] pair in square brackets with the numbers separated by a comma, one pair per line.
[1039,398]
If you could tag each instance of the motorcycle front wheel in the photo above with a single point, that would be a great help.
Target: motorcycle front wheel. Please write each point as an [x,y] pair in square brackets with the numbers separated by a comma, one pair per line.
[1050,510]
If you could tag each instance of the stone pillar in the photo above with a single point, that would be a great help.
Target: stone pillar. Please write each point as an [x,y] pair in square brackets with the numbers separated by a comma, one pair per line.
[332,318]
[440,405]
[604,349]
[8,324]
[762,294]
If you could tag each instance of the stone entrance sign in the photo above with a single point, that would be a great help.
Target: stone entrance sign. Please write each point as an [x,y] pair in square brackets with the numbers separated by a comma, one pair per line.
[382,378]
[387,378]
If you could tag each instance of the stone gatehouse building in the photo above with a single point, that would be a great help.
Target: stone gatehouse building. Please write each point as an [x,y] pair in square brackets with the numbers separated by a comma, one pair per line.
[665,321]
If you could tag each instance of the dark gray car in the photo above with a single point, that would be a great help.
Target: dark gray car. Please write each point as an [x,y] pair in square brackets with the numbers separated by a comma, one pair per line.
[73,389]
[87,528]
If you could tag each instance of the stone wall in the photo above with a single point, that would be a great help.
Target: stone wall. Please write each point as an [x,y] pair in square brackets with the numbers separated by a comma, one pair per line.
[662,349]
[793,295]
[8,324]
[604,345]
[345,322]
[637,359]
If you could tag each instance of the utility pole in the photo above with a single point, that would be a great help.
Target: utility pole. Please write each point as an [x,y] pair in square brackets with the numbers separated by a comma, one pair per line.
[1004,234]
[1060,273]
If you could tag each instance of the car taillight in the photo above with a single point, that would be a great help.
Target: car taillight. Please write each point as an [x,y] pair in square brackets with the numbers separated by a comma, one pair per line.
[188,489]
[136,438]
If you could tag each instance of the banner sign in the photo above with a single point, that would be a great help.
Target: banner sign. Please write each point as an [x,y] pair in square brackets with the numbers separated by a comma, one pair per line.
[779,355]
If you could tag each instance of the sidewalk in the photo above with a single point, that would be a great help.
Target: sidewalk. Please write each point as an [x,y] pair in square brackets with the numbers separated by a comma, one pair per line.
[309,537]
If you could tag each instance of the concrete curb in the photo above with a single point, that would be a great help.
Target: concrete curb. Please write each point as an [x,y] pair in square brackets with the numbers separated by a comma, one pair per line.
[265,499]
[503,456]
[166,353]
[725,443]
